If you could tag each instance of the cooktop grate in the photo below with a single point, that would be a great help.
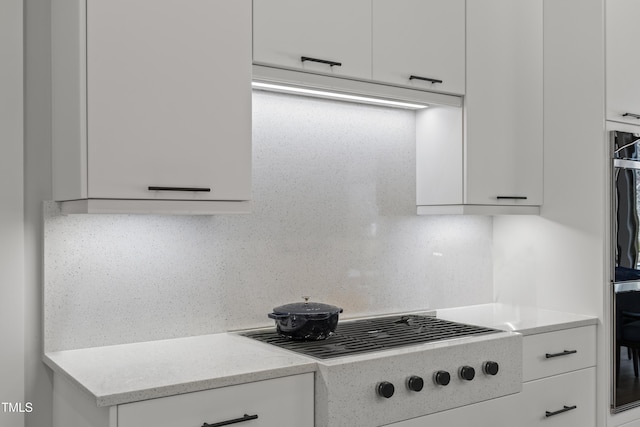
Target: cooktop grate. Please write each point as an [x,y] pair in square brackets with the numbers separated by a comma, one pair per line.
[381,333]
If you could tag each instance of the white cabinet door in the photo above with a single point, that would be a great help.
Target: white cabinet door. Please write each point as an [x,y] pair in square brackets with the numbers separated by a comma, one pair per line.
[500,153]
[169,99]
[504,129]
[280,402]
[553,353]
[622,61]
[334,31]
[420,38]
[559,401]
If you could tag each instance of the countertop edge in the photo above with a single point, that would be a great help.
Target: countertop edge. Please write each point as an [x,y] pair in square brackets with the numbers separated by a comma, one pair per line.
[124,397]
[195,386]
[57,369]
[558,327]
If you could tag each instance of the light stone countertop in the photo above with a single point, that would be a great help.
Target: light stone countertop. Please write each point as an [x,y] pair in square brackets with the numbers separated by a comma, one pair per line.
[131,372]
[127,373]
[525,320]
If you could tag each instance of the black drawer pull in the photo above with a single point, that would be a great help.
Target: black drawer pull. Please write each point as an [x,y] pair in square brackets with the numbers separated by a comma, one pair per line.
[511,197]
[635,116]
[564,353]
[200,189]
[321,61]
[560,411]
[426,79]
[234,421]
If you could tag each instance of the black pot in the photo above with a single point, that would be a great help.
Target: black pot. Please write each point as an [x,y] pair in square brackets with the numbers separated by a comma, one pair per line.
[306,321]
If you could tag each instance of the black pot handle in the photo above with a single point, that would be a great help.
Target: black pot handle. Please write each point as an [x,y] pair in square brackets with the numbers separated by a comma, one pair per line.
[277,316]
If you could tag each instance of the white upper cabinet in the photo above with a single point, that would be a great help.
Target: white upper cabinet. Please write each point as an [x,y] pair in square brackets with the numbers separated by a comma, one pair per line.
[622,61]
[504,128]
[500,161]
[325,36]
[420,43]
[415,44]
[152,103]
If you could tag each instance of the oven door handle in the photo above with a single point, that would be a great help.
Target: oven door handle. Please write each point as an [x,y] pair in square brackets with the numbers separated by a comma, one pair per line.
[626,164]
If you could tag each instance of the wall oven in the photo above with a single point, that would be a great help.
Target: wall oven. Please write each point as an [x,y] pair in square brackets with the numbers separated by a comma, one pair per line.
[625,280]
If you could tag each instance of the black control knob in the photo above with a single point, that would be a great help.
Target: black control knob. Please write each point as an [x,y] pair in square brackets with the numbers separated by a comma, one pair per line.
[490,368]
[385,389]
[441,378]
[467,373]
[415,383]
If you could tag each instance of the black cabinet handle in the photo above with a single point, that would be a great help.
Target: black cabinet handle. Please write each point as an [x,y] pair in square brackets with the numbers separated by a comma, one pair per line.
[200,189]
[560,411]
[564,353]
[635,116]
[234,421]
[512,197]
[321,61]
[426,79]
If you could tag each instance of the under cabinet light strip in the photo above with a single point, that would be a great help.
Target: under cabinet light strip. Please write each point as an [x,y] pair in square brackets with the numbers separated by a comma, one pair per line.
[336,95]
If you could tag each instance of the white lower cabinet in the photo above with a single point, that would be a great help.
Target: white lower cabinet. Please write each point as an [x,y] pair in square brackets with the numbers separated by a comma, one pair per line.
[280,402]
[565,400]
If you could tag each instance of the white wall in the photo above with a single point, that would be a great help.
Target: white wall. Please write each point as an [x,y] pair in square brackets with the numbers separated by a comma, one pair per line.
[38,383]
[334,218]
[11,213]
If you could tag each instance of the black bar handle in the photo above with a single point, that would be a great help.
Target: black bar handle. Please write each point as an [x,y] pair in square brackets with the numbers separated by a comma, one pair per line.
[564,353]
[234,421]
[321,61]
[635,116]
[426,79]
[560,411]
[200,189]
[512,197]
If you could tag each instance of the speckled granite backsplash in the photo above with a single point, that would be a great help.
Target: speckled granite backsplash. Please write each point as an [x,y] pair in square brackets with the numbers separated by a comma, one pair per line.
[334,218]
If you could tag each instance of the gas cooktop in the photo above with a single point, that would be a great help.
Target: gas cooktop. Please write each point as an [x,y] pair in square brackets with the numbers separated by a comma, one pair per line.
[374,334]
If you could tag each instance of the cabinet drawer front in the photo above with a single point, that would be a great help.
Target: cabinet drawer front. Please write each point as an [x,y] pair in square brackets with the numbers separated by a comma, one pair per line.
[558,352]
[279,402]
[572,397]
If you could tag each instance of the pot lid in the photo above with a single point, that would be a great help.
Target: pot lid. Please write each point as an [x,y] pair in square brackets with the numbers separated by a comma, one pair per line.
[307,307]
